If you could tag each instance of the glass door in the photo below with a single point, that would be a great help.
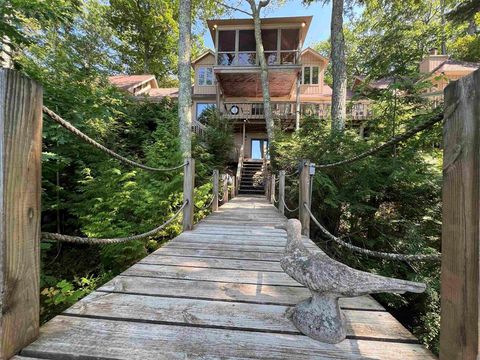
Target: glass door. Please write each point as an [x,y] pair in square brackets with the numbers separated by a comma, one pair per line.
[259,149]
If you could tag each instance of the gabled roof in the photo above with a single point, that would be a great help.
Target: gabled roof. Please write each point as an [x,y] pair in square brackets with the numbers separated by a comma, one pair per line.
[206,53]
[128,82]
[316,54]
[379,84]
[451,65]
[163,92]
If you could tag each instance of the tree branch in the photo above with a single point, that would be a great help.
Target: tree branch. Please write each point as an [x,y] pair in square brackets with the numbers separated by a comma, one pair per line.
[234,8]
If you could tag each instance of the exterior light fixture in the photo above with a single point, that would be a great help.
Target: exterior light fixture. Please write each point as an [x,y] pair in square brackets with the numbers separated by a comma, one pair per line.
[215,26]
[303,24]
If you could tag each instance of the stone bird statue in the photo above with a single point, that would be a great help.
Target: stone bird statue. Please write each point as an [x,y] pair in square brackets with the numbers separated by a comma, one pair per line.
[320,316]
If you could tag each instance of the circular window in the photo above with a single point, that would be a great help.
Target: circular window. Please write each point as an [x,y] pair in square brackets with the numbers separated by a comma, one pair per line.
[234,110]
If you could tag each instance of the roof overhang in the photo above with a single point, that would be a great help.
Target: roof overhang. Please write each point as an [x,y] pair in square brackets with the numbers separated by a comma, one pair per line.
[302,22]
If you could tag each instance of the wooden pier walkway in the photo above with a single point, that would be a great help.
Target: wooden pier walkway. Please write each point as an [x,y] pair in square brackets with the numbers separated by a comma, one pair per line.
[216,292]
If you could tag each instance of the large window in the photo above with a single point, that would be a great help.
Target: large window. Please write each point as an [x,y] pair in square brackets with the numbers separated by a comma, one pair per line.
[311,75]
[201,111]
[238,47]
[205,76]
[226,47]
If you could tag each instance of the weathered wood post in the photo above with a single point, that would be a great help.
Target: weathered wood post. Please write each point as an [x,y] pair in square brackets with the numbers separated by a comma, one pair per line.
[225,188]
[460,289]
[272,189]
[281,192]
[215,190]
[232,189]
[188,187]
[304,197]
[20,188]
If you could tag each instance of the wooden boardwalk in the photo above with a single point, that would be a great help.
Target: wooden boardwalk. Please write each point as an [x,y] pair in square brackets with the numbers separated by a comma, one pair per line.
[216,292]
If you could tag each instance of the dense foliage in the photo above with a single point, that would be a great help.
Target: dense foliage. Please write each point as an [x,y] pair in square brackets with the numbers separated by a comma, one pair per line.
[85,192]
[389,202]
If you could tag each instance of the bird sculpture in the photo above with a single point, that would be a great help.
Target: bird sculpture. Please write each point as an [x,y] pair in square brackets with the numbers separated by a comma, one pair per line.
[320,316]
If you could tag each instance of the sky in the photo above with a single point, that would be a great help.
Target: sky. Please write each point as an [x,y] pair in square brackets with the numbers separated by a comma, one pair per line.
[319,28]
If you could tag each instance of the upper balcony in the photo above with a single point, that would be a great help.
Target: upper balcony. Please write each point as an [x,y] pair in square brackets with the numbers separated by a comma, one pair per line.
[235,44]
[237,67]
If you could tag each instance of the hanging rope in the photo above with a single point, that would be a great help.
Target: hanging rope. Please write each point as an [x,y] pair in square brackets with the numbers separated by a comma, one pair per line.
[206,206]
[286,207]
[59,120]
[97,241]
[394,140]
[379,254]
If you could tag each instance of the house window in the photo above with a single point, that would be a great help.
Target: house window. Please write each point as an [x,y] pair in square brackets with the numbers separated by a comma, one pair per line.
[306,75]
[311,75]
[202,109]
[205,76]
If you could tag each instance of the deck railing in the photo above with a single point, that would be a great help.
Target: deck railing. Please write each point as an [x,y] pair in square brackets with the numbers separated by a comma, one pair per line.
[250,58]
[286,110]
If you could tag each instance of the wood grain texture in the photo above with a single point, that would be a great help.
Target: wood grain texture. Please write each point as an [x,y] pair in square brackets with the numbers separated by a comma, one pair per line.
[281,190]
[277,295]
[216,292]
[460,226]
[20,187]
[239,316]
[188,195]
[304,198]
[68,337]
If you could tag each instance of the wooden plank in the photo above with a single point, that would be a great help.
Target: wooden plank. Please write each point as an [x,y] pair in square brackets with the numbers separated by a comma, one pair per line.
[213,263]
[460,284]
[278,295]
[213,246]
[221,237]
[240,276]
[208,253]
[20,212]
[233,315]
[67,337]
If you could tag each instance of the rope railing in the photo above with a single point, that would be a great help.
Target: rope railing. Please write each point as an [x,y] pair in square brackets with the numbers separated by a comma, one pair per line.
[379,254]
[65,124]
[205,207]
[394,140]
[287,208]
[46,236]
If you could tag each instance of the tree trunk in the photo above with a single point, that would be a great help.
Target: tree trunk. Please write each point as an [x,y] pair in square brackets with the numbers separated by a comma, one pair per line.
[184,77]
[339,96]
[263,68]
[6,53]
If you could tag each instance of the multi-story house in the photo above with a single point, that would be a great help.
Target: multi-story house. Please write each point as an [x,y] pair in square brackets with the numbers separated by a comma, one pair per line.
[228,78]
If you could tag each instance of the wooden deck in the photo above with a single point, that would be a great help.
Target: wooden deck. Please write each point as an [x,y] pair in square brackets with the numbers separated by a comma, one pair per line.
[216,292]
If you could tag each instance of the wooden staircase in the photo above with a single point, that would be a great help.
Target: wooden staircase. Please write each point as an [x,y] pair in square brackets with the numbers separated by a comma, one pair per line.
[252,182]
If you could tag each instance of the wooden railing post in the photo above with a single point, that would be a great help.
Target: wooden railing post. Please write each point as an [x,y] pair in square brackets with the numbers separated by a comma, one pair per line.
[20,189]
[215,190]
[272,189]
[281,192]
[225,188]
[460,289]
[304,197]
[188,187]
[232,189]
